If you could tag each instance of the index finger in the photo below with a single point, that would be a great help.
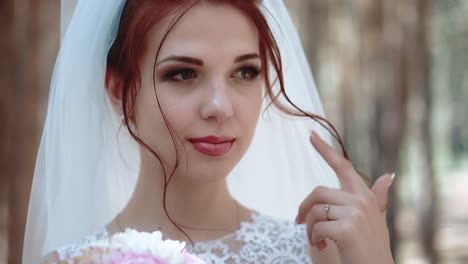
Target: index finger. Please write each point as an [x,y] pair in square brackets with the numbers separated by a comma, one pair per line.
[348,176]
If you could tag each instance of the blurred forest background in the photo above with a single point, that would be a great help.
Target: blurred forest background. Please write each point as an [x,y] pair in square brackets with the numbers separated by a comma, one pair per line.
[392,76]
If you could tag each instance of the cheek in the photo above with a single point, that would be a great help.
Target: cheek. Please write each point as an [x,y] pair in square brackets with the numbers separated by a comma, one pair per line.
[148,118]
[179,113]
[256,99]
[255,108]
[150,121]
[249,110]
[150,125]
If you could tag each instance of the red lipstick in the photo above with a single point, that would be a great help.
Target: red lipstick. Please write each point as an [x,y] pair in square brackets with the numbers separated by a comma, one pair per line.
[212,145]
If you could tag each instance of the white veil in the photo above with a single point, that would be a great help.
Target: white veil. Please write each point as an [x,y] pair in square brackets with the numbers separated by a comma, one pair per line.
[86,168]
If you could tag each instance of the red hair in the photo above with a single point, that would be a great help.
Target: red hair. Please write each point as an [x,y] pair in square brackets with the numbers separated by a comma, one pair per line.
[140,16]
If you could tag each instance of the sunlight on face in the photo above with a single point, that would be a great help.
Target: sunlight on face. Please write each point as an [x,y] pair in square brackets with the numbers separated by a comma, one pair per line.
[209,85]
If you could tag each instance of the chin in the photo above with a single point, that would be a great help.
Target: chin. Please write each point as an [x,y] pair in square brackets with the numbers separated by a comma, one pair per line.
[210,172]
[201,167]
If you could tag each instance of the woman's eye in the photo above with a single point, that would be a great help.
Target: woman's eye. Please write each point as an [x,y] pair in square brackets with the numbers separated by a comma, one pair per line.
[247,73]
[180,75]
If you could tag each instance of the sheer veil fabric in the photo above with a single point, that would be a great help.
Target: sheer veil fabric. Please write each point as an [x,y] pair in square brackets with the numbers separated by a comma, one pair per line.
[86,167]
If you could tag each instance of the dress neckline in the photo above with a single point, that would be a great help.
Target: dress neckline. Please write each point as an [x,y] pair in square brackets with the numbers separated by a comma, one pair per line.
[254,217]
[261,239]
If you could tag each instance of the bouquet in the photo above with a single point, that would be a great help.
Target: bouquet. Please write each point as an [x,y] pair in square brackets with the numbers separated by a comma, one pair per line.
[133,247]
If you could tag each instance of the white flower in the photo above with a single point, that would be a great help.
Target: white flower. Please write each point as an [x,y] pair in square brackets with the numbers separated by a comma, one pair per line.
[143,242]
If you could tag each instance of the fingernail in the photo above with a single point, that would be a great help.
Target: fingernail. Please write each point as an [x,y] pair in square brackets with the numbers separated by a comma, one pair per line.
[298,216]
[391,179]
[298,219]
[315,134]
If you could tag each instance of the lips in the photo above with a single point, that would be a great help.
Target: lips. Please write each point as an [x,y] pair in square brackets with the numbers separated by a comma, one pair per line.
[212,145]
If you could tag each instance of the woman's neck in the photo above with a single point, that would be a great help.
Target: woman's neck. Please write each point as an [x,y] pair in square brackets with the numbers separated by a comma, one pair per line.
[194,204]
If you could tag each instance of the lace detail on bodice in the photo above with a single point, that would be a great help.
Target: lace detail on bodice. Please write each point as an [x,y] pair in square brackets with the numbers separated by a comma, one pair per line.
[74,249]
[263,240]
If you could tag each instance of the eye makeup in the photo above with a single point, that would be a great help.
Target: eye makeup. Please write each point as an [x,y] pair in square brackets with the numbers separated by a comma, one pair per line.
[179,74]
[185,73]
[248,72]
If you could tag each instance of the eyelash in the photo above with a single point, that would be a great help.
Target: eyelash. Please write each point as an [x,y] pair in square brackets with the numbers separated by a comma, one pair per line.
[170,76]
[254,71]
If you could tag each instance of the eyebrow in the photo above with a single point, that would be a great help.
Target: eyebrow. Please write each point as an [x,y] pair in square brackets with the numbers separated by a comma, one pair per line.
[182,59]
[199,62]
[246,57]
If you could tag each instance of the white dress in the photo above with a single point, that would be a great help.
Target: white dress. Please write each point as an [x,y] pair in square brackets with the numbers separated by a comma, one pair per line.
[262,240]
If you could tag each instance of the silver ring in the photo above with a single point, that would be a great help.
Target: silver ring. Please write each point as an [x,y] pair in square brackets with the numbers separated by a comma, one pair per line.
[327,210]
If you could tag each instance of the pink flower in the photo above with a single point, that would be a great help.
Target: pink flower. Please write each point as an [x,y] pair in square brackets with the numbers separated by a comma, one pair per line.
[134,258]
[191,259]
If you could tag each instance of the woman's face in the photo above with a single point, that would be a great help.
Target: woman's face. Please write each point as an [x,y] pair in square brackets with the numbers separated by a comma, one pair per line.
[209,85]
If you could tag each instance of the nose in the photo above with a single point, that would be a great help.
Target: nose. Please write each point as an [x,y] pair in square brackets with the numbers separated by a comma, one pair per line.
[217,104]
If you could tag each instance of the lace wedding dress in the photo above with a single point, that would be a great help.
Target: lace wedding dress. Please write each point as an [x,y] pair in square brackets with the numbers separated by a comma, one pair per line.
[262,240]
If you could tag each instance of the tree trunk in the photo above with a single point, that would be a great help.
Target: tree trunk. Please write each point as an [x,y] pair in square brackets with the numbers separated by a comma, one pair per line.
[7,151]
[20,105]
[419,61]
[391,109]
[34,46]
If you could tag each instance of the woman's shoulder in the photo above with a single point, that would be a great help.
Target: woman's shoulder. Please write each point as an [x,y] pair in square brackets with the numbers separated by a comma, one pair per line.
[52,257]
[69,251]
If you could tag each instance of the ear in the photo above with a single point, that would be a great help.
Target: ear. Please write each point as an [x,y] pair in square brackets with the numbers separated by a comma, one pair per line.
[114,89]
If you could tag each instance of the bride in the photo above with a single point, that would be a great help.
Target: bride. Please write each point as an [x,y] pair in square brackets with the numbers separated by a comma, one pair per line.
[154,103]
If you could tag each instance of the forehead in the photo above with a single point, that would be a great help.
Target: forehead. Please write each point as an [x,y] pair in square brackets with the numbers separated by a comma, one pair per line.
[208,28]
